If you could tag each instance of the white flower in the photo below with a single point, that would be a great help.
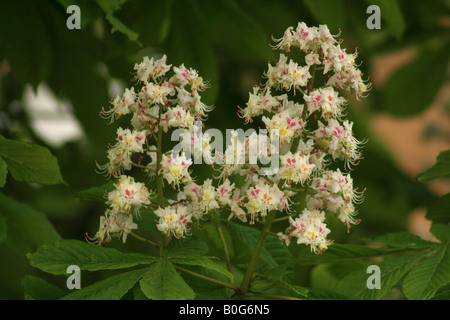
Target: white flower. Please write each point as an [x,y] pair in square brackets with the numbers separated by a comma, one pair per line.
[113,225]
[173,221]
[287,126]
[121,105]
[132,141]
[295,167]
[258,103]
[325,100]
[225,192]
[263,198]
[312,58]
[309,228]
[180,118]
[119,156]
[339,141]
[335,194]
[156,93]
[175,169]
[150,68]
[304,36]
[128,195]
[207,199]
[184,76]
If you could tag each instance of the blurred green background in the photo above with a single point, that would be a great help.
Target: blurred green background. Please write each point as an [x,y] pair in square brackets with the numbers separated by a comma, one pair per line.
[229,43]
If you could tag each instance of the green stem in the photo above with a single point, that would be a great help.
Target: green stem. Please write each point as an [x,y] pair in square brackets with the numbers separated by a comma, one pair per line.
[198,275]
[225,248]
[285,217]
[311,82]
[159,180]
[134,235]
[254,259]
[138,165]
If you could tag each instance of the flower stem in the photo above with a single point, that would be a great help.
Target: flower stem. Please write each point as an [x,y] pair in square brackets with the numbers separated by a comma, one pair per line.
[254,259]
[159,180]
[134,235]
[225,248]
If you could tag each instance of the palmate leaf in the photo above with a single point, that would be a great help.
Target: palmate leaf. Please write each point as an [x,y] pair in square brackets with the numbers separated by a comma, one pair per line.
[249,236]
[162,282]
[29,162]
[441,169]
[426,278]
[97,193]
[206,262]
[27,223]
[392,271]
[347,252]
[112,288]
[55,257]
[39,289]
[186,248]
[439,211]
[400,99]
[110,7]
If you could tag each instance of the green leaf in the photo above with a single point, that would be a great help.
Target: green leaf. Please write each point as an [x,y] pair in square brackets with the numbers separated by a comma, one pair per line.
[112,288]
[249,236]
[206,262]
[39,289]
[162,282]
[3,172]
[110,6]
[443,293]
[348,252]
[2,229]
[323,294]
[392,271]
[441,169]
[205,289]
[121,27]
[440,231]
[331,13]
[277,250]
[57,256]
[439,211]
[186,248]
[402,239]
[391,14]
[32,226]
[98,193]
[30,162]
[413,86]
[425,279]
